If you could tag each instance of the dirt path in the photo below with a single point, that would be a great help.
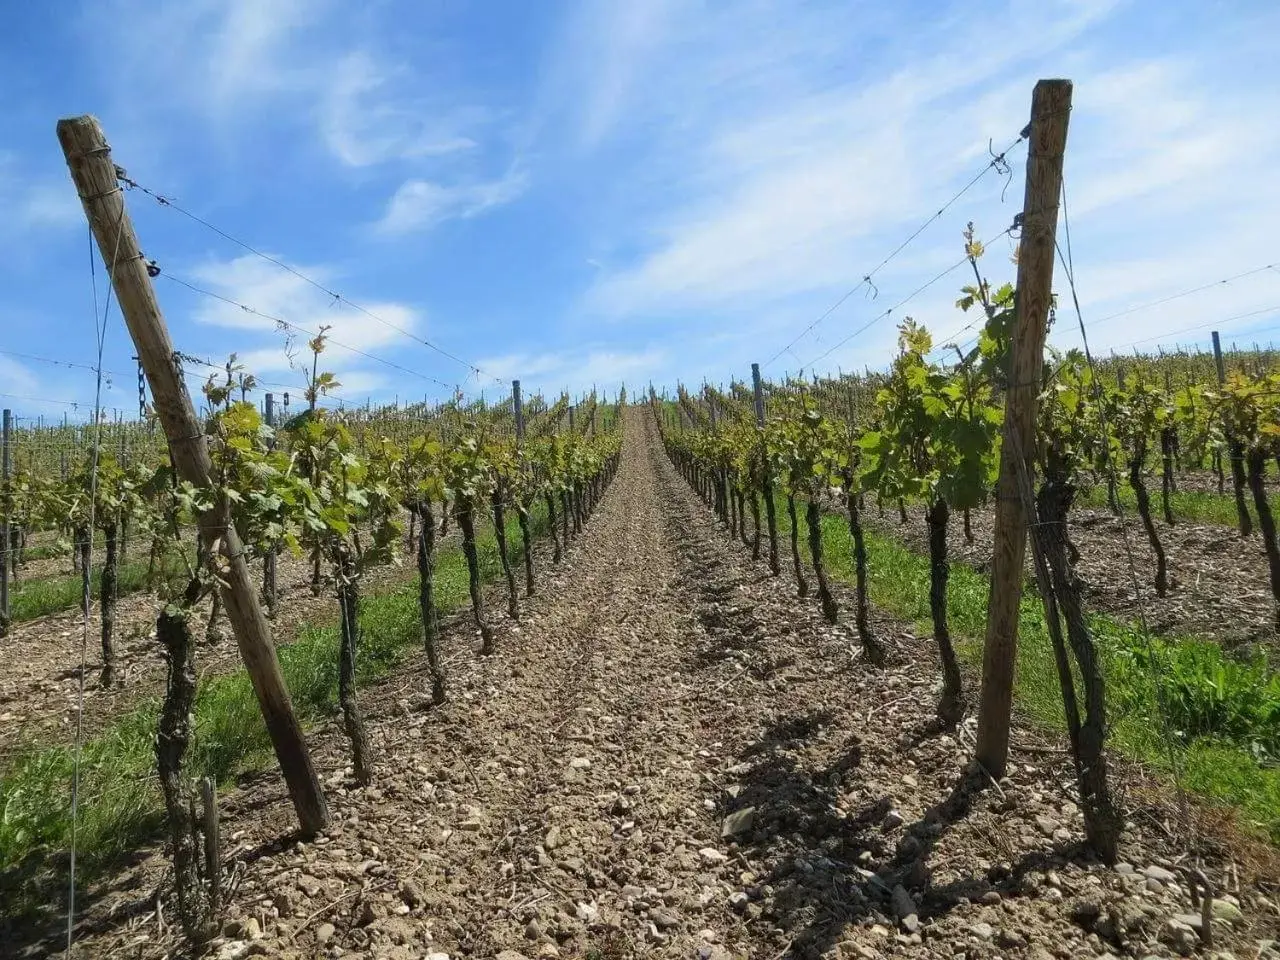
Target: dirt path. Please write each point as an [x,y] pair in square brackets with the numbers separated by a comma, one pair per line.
[671,756]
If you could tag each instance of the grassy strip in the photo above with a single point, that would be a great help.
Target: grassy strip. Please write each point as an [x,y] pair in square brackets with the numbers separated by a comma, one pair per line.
[120,804]
[1224,715]
[39,598]
[1195,506]
[44,551]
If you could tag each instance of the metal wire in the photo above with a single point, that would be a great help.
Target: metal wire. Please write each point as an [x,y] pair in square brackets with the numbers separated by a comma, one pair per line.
[1068,265]
[337,297]
[997,162]
[100,329]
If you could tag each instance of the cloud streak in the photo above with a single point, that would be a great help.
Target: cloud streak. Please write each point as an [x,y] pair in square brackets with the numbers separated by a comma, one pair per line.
[419,205]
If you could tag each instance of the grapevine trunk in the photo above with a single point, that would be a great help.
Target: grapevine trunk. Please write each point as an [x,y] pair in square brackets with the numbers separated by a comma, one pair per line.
[951,706]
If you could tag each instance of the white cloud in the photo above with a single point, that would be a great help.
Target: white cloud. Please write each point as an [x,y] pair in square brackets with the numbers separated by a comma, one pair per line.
[35,201]
[770,161]
[282,355]
[364,121]
[17,378]
[422,204]
[781,171]
[578,371]
[226,58]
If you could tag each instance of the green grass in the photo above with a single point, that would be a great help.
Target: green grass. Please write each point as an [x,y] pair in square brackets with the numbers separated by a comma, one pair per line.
[45,551]
[1224,715]
[120,804]
[1195,506]
[33,599]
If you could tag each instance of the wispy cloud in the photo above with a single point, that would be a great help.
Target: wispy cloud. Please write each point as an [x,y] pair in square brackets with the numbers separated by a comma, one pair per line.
[596,366]
[365,119]
[772,192]
[422,204]
[274,292]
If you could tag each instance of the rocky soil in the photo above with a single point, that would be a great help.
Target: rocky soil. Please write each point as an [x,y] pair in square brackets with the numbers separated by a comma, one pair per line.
[672,756]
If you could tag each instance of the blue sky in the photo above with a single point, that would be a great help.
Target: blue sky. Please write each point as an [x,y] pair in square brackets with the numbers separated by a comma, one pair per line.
[599,191]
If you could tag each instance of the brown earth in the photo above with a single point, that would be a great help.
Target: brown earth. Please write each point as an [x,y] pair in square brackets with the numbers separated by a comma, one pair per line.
[672,756]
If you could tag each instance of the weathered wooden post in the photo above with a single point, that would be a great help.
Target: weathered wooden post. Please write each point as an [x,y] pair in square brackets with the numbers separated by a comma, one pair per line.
[771,516]
[1050,109]
[270,560]
[96,179]
[6,467]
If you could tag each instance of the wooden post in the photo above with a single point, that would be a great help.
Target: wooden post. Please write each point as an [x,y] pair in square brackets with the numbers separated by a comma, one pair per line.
[1217,358]
[6,467]
[89,159]
[142,392]
[758,390]
[1050,108]
[517,404]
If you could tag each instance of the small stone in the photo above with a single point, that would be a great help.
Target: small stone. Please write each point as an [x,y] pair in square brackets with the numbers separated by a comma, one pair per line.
[532,931]
[738,901]
[740,821]
[664,919]
[252,929]
[712,855]
[1228,911]
[892,820]
[579,763]
[1160,873]
[324,933]
[1009,939]
[983,931]
[510,955]
[1047,825]
[410,893]
[1086,913]
[552,839]
[470,826]
[904,909]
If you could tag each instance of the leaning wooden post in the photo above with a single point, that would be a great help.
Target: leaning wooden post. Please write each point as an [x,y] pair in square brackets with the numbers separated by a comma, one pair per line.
[1050,109]
[96,179]
[6,467]
[771,516]
[517,404]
